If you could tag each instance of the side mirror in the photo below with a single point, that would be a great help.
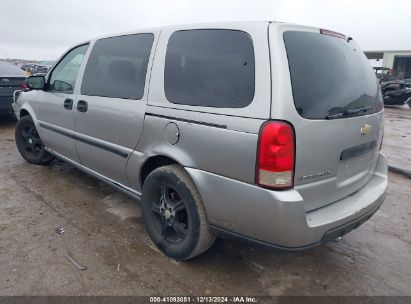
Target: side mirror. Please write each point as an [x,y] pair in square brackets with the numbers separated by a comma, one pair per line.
[36,82]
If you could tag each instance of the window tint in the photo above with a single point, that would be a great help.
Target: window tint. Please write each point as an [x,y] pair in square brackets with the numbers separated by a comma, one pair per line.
[63,77]
[210,68]
[330,76]
[117,67]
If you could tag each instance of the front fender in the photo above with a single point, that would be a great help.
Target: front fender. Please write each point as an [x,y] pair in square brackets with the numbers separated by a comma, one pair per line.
[24,105]
[29,109]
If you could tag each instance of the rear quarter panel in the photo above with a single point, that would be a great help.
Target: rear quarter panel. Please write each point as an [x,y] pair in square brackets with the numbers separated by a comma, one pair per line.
[228,149]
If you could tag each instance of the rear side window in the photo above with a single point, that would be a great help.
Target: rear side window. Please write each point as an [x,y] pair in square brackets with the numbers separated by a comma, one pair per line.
[117,67]
[210,68]
[331,78]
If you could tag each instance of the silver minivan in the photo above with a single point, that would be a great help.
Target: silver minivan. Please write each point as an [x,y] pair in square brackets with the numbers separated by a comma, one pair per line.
[261,130]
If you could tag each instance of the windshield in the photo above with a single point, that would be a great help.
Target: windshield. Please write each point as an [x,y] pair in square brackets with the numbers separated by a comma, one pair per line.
[331,78]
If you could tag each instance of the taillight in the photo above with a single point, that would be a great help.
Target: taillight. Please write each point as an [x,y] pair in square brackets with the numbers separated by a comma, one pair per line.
[24,86]
[331,33]
[275,156]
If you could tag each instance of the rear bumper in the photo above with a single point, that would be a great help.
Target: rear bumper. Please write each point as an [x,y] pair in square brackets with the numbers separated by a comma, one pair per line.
[278,218]
[327,237]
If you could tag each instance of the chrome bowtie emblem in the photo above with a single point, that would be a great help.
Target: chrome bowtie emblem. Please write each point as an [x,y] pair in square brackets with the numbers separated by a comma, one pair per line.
[365,129]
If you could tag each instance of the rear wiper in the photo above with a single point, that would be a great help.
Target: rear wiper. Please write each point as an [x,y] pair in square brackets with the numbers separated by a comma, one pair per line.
[348,112]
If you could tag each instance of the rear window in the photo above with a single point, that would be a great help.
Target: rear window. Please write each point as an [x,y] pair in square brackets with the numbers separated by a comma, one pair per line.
[210,68]
[331,78]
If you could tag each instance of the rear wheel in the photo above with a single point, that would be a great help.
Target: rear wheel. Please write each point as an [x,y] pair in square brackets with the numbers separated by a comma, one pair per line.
[174,214]
[29,143]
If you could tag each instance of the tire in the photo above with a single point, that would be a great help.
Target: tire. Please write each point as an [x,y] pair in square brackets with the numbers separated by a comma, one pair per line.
[409,102]
[29,143]
[182,232]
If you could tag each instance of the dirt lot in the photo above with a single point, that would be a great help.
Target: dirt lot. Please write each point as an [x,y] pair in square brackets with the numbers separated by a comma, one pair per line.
[104,231]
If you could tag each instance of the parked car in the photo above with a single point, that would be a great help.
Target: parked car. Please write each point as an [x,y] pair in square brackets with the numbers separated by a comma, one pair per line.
[40,70]
[28,68]
[397,92]
[225,131]
[12,78]
[383,73]
[47,63]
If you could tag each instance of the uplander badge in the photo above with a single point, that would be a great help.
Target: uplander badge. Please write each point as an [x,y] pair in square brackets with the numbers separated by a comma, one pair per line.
[314,176]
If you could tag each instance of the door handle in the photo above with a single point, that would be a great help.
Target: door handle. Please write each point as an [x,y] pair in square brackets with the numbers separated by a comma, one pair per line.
[68,104]
[82,106]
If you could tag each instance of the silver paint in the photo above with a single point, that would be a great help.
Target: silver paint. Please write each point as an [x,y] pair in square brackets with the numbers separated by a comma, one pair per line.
[218,147]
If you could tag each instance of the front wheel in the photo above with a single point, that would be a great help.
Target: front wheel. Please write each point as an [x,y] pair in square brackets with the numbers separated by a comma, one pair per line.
[29,143]
[174,213]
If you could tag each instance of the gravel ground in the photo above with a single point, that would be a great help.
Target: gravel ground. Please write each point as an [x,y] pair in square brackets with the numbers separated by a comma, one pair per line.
[397,137]
[104,232]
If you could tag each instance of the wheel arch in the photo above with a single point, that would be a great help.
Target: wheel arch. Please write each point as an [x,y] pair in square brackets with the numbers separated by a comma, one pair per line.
[28,110]
[155,162]
[24,112]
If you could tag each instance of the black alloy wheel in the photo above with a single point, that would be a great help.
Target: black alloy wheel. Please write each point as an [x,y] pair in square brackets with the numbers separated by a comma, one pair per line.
[174,214]
[170,215]
[29,143]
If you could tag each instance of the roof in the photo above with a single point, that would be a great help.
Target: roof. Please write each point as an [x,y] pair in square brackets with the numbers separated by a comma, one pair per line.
[380,54]
[214,24]
[381,68]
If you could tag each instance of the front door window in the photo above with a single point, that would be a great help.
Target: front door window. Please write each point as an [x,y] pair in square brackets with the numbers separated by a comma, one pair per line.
[64,75]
